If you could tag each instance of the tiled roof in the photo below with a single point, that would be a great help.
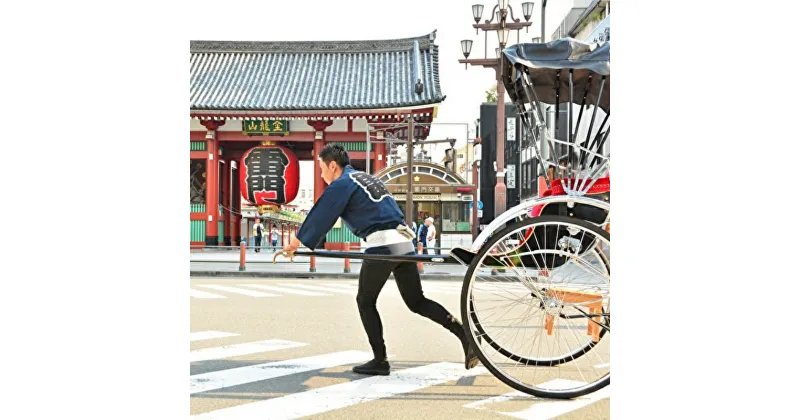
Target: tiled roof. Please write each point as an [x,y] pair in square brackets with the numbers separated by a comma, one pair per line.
[328,75]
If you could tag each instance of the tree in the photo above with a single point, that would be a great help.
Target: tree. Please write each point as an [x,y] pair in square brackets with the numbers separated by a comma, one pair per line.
[491,95]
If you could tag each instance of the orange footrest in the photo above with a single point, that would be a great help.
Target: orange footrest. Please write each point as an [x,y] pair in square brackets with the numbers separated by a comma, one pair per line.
[592,302]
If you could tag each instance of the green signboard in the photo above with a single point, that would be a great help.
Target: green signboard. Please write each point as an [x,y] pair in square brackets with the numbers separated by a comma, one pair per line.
[265,127]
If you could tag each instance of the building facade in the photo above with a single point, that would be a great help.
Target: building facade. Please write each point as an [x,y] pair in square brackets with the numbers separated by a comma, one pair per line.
[300,95]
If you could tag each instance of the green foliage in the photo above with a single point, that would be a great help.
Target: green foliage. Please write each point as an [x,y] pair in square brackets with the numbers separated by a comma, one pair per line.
[491,95]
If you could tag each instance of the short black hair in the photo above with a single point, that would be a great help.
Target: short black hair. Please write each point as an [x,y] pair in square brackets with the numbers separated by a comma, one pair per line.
[336,153]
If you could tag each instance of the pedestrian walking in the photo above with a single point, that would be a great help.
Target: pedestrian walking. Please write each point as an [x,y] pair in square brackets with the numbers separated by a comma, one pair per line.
[258,233]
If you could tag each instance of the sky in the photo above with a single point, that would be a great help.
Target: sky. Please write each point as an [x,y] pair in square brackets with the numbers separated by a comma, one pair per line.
[311,20]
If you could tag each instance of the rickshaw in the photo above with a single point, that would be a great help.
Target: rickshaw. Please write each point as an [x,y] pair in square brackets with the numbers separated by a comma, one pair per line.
[535,300]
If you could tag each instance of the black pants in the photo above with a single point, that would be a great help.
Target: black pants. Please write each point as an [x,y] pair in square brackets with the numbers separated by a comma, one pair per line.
[371,279]
[258,243]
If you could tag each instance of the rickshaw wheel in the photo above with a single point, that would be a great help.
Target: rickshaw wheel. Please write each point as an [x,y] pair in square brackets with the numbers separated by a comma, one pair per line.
[487,339]
[555,284]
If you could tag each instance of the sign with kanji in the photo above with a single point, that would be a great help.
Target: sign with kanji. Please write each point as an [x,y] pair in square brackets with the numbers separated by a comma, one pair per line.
[265,127]
[269,175]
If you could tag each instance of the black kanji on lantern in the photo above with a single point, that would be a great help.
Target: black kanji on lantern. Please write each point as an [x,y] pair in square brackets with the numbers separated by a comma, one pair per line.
[265,174]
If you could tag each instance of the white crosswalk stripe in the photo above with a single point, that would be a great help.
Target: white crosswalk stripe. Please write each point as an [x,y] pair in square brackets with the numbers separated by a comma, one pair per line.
[237,290]
[208,335]
[241,349]
[204,295]
[288,290]
[427,286]
[322,289]
[545,409]
[243,375]
[440,288]
[318,289]
[342,286]
[342,395]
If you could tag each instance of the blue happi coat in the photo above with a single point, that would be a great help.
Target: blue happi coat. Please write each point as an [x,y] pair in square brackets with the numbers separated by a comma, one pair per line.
[361,200]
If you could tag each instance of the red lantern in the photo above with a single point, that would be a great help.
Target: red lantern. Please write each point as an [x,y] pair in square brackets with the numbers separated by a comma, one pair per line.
[270,175]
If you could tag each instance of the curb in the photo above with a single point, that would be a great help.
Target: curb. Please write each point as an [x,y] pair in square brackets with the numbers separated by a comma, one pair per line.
[302,275]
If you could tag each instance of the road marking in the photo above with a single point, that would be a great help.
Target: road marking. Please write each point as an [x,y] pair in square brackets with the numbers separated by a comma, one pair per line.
[500,398]
[543,408]
[252,293]
[204,295]
[284,290]
[440,288]
[322,289]
[208,335]
[215,353]
[243,375]
[346,394]
[342,286]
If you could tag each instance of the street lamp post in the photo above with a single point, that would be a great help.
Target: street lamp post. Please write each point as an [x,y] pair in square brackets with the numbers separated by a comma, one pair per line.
[502,26]
[476,182]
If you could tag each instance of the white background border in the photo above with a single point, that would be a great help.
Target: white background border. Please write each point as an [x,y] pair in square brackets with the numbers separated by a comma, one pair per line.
[96,265]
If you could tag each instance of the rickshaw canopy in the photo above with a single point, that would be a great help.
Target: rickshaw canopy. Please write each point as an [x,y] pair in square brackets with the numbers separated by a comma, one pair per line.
[548,64]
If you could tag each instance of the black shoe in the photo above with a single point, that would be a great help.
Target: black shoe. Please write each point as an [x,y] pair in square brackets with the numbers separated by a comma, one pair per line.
[373,367]
[470,357]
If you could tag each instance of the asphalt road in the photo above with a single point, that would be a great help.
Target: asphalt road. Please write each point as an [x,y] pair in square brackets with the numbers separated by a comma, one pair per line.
[280,349]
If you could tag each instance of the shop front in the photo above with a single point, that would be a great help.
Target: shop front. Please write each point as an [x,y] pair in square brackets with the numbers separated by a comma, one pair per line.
[436,193]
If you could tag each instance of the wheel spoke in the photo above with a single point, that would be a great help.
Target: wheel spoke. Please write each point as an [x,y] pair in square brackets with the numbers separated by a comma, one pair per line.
[541,307]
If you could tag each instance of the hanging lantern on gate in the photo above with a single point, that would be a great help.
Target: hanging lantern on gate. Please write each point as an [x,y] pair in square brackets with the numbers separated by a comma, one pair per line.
[270,176]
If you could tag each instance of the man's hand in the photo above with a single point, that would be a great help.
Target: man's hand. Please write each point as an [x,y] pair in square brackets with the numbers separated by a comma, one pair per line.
[292,246]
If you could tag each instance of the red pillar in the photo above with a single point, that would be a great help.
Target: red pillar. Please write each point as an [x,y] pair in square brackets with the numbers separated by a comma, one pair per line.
[212,181]
[236,204]
[319,183]
[319,143]
[226,200]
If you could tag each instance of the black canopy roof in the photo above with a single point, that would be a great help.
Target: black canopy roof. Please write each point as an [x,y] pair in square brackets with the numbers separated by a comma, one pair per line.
[548,66]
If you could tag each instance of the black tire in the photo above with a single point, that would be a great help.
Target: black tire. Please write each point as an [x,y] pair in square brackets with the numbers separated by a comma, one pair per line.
[466,311]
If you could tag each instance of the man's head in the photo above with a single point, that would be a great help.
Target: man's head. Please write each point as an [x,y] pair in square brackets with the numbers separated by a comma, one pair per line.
[332,160]
[429,221]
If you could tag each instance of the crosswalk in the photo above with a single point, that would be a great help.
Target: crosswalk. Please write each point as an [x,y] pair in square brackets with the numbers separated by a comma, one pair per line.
[352,392]
[543,409]
[342,288]
[310,289]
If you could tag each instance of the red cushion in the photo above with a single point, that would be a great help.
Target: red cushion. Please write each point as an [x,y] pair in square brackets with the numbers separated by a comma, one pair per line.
[602,185]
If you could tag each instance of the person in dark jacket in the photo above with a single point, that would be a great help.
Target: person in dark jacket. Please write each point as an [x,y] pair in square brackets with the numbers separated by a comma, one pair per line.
[422,237]
[368,209]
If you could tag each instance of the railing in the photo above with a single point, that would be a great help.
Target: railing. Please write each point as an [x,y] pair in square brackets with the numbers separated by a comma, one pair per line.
[242,260]
[283,217]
